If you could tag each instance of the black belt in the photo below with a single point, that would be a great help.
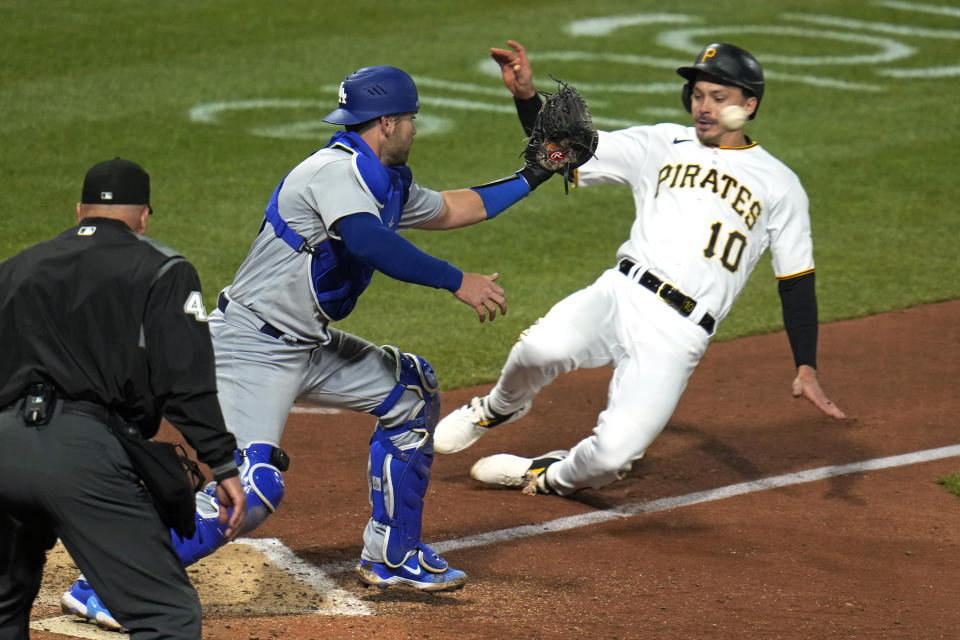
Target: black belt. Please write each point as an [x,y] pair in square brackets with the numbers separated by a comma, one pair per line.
[267,328]
[90,409]
[681,302]
[101,414]
[42,398]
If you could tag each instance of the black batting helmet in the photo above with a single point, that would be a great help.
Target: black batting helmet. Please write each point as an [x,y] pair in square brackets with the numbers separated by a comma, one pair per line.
[729,63]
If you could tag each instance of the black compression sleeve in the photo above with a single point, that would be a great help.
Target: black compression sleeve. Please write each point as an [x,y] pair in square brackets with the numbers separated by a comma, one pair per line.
[799,301]
[527,110]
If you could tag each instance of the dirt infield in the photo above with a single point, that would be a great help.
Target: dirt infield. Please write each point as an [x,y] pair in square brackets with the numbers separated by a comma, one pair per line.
[860,554]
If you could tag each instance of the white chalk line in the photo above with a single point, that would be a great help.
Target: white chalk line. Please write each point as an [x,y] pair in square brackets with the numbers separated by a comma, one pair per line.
[952,12]
[344,603]
[663,504]
[316,410]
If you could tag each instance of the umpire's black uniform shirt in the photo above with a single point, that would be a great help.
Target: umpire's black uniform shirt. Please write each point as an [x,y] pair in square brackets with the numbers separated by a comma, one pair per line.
[111,317]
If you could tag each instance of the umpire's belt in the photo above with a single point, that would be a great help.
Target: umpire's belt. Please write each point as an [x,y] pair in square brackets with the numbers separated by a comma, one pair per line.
[101,414]
[680,301]
[267,329]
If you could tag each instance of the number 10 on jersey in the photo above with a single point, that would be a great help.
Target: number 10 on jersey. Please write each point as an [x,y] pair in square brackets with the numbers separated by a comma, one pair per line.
[732,250]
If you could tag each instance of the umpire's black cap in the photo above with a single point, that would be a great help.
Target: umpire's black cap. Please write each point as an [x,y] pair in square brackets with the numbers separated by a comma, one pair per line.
[116,181]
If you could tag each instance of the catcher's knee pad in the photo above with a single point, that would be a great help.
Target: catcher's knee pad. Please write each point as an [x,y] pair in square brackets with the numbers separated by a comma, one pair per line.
[260,474]
[399,472]
[260,467]
[413,374]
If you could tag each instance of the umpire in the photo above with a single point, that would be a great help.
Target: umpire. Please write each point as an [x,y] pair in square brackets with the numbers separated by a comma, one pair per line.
[98,324]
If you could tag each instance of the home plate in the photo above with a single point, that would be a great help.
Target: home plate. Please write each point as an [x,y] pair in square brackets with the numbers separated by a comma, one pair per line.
[248,577]
[70,626]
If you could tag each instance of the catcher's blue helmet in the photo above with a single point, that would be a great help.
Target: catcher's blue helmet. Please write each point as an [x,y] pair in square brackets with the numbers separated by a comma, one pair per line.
[372,92]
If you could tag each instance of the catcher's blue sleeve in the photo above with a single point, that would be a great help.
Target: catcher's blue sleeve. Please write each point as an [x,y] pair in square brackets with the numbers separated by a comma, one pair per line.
[500,195]
[390,253]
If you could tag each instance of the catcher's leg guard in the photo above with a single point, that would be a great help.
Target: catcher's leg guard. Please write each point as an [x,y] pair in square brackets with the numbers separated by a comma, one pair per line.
[260,467]
[400,460]
[414,374]
[398,482]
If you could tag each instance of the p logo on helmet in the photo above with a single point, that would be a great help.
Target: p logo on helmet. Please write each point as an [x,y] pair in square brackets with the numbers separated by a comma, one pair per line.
[730,65]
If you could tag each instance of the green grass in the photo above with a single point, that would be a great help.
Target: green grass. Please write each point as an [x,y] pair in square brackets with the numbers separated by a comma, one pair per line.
[81,81]
[951,483]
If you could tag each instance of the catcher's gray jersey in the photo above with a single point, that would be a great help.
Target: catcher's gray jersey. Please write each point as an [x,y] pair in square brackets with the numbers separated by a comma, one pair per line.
[274,281]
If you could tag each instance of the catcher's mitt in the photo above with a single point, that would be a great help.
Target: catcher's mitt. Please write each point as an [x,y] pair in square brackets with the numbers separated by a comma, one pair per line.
[563,136]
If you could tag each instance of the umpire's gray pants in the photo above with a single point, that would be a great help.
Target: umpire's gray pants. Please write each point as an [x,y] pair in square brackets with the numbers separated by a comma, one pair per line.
[71,479]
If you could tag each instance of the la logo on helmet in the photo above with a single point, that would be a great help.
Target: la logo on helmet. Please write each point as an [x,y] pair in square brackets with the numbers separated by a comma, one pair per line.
[342,94]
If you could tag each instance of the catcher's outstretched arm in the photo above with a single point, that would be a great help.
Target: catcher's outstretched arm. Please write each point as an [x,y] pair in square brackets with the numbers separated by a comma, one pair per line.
[461,208]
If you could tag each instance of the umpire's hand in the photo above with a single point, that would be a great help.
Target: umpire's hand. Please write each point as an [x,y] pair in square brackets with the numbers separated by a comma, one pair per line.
[233,506]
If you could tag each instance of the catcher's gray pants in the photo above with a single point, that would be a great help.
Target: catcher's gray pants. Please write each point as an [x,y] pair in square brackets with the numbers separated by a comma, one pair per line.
[259,377]
[71,479]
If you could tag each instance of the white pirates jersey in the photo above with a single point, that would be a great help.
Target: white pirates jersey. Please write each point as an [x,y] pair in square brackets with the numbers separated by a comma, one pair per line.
[705,215]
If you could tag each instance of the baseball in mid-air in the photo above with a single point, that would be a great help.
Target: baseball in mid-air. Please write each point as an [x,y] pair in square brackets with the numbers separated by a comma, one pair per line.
[733,117]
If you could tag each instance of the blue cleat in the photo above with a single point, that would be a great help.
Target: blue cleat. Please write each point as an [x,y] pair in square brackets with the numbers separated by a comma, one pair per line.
[424,570]
[82,601]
